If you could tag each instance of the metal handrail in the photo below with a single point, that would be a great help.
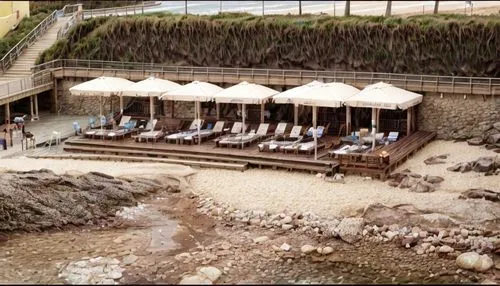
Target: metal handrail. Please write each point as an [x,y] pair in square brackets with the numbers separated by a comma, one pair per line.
[26,41]
[407,81]
[71,21]
[26,83]
[116,10]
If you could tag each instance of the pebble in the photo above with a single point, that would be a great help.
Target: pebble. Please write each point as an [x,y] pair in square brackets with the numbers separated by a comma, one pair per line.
[286,226]
[285,247]
[446,249]
[327,250]
[212,273]
[307,249]
[129,259]
[260,239]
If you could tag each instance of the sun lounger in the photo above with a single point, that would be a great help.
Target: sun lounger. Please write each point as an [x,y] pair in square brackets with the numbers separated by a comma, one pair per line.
[393,136]
[306,144]
[179,136]
[235,130]
[205,133]
[274,144]
[242,140]
[152,134]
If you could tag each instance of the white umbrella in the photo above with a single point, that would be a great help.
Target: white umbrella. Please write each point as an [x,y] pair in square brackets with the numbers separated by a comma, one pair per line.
[150,87]
[316,94]
[245,93]
[196,91]
[101,86]
[385,96]
[287,97]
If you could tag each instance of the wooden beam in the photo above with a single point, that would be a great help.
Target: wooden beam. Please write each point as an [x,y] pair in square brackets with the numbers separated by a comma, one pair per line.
[217,110]
[295,114]
[36,106]
[7,113]
[31,108]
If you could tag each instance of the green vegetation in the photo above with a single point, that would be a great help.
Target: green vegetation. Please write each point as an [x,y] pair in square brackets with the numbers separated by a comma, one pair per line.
[25,26]
[430,44]
[49,6]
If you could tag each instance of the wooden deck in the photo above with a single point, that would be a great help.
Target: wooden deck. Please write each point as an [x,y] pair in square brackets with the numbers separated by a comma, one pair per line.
[208,155]
[207,152]
[375,164]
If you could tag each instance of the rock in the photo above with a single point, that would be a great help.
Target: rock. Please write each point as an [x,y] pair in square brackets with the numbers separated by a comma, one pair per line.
[494,138]
[286,226]
[409,240]
[210,272]
[423,234]
[483,164]
[464,233]
[460,167]
[476,141]
[481,194]
[422,187]
[390,234]
[194,280]
[287,220]
[307,249]
[327,250]
[496,125]
[488,282]
[445,249]
[129,259]
[472,260]
[285,247]
[350,229]
[114,275]
[435,160]
[255,221]
[260,239]
[433,179]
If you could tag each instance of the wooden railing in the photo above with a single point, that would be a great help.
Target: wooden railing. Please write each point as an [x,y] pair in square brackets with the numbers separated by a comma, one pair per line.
[119,11]
[137,71]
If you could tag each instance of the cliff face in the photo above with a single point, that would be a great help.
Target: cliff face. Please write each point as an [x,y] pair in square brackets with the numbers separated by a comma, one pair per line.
[444,45]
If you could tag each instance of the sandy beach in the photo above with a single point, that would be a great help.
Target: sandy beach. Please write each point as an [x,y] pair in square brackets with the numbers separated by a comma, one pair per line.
[275,191]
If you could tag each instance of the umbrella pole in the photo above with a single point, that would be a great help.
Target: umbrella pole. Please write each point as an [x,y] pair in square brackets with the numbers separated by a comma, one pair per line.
[347,120]
[100,116]
[199,120]
[374,126]
[243,120]
[295,114]
[315,134]
[121,105]
[151,111]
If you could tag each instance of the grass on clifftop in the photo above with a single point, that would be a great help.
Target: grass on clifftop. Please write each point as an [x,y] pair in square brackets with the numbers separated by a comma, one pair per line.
[25,26]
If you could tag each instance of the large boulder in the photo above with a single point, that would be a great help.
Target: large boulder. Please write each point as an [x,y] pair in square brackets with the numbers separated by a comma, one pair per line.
[460,167]
[422,187]
[484,164]
[474,261]
[476,141]
[494,138]
[480,194]
[350,229]
[433,179]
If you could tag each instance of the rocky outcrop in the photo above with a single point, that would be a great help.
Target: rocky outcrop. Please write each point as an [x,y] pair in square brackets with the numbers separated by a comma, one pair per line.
[481,194]
[415,182]
[37,200]
[481,165]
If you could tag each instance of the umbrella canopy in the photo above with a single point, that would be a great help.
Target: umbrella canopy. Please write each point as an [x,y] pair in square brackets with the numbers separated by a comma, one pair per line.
[194,91]
[288,95]
[101,86]
[151,86]
[385,96]
[332,94]
[245,93]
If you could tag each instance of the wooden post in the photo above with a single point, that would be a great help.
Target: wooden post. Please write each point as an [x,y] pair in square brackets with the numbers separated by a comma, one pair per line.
[36,106]
[54,94]
[378,119]
[262,108]
[217,110]
[7,113]
[348,120]
[408,121]
[31,108]
[295,114]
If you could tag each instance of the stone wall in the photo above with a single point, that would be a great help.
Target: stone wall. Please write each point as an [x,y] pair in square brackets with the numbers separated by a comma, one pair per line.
[454,117]
[84,105]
